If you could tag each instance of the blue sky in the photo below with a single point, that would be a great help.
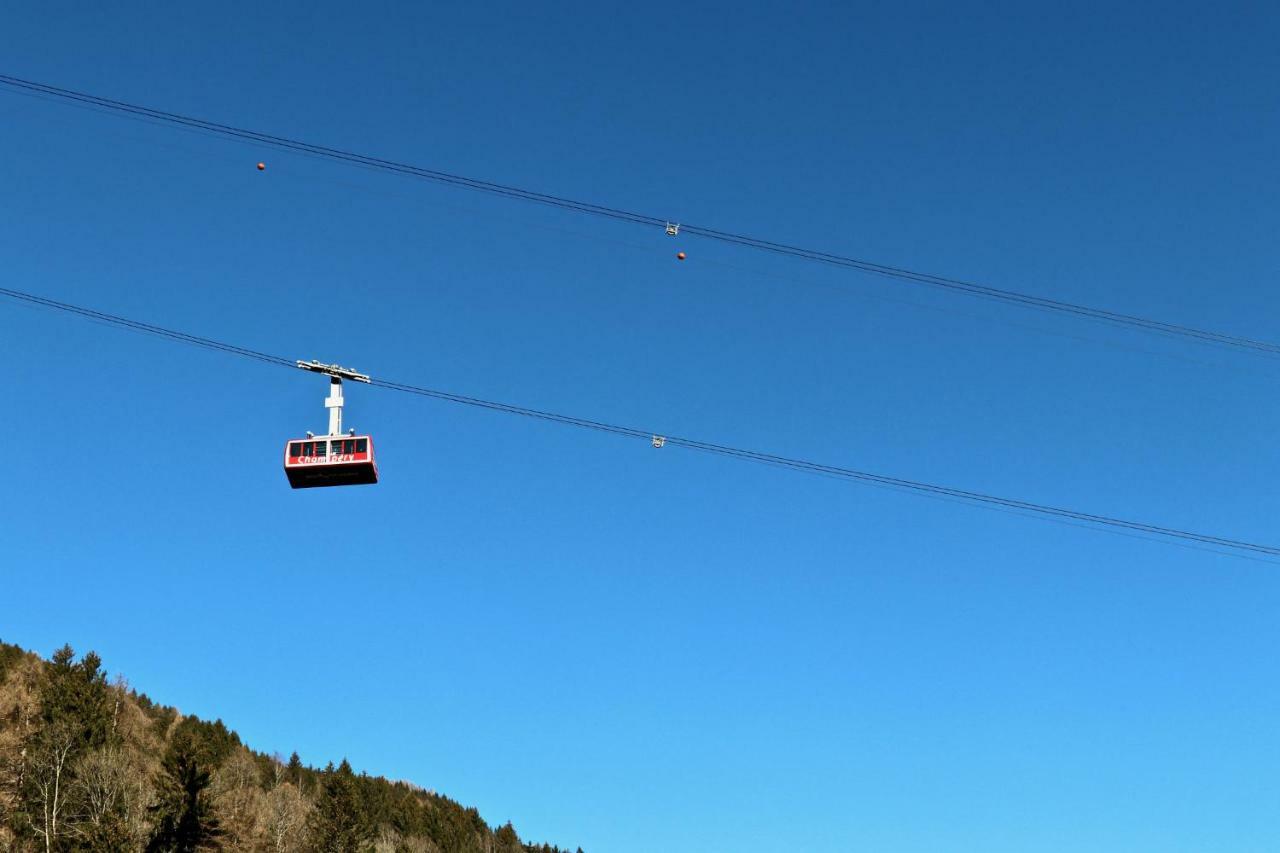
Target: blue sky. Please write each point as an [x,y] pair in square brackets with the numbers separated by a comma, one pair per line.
[638,650]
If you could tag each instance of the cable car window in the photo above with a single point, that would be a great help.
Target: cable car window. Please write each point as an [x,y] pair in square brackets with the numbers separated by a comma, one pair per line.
[348,447]
[295,449]
[362,445]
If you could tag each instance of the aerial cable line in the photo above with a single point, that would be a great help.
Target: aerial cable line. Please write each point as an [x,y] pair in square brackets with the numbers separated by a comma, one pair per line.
[138,326]
[1235,546]
[1026,300]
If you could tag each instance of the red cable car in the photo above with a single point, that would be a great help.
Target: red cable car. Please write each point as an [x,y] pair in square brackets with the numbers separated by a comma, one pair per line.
[334,459]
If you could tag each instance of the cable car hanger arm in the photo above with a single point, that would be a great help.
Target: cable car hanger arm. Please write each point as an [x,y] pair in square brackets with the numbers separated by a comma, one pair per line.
[335,370]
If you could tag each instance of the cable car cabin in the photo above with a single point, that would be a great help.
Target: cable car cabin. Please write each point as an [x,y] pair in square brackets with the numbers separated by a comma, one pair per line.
[335,460]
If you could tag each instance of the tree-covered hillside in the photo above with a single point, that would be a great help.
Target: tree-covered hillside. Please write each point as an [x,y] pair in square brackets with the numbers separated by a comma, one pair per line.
[87,765]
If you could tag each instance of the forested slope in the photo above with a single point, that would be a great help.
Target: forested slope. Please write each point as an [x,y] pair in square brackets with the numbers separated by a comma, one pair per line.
[87,765]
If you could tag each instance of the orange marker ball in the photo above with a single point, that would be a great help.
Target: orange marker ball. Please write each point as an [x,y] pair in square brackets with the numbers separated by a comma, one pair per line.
[261,166]
[680,256]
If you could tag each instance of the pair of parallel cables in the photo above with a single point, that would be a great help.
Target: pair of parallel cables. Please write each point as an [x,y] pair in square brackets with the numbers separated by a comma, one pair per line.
[1201,540]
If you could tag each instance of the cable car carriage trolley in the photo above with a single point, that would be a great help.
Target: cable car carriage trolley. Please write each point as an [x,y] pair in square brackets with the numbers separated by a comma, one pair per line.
[334,459]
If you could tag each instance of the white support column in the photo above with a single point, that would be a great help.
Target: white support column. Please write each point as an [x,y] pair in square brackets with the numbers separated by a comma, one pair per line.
[334,404]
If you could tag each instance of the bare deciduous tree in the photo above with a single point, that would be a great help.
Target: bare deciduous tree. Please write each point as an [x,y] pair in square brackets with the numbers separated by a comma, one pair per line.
[49,767]
[111,794]
[102,785]
[140,798]
[418,844]
[239,801]
[390,841]
[287,813]
[19,708]
[119,690]
[279,772]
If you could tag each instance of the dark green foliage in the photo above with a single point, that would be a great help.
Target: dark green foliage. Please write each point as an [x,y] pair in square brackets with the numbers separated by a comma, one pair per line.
[412,811]
[304,778]
[208,743]
[341,822]
[77,693]
[266,769]
[184,822]
[111,833]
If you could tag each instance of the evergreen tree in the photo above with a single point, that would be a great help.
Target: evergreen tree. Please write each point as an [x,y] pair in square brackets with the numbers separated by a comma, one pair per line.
[184,821]
[208,744]
[506,840]
[340,823]
[77,694]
